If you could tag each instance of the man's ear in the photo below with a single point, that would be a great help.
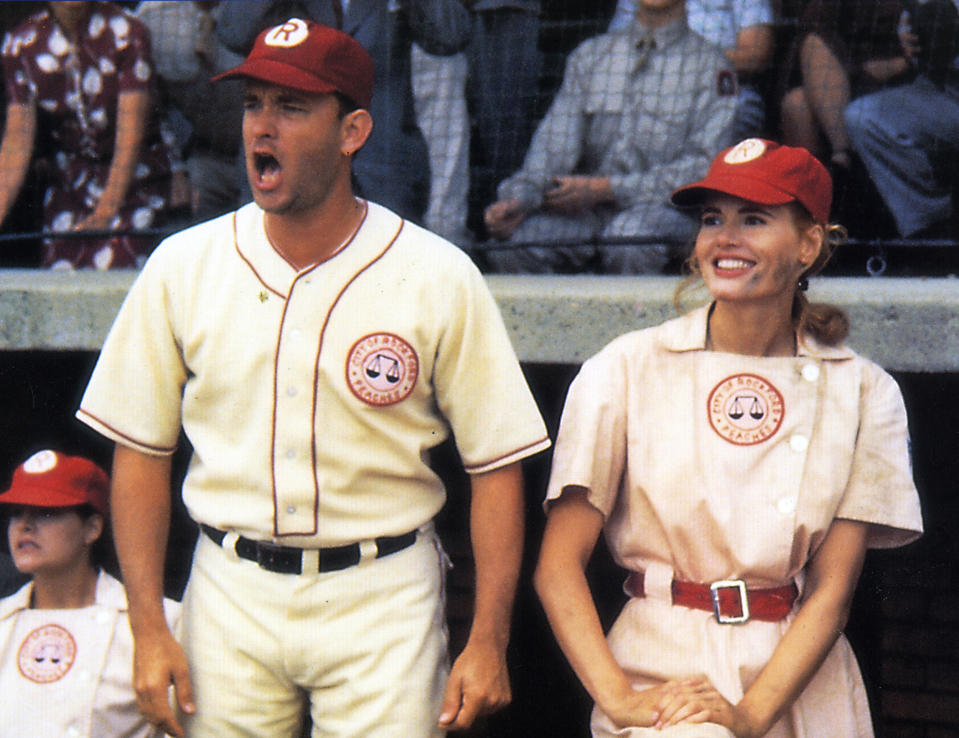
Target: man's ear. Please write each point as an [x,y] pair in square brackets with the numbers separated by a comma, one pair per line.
[356,128]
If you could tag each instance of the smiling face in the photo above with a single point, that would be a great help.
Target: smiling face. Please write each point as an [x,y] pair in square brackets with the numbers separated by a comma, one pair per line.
[748,252]
[49,540]
[295,145]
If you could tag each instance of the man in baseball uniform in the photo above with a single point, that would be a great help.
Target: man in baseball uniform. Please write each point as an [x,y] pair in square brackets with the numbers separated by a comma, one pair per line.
[313,347]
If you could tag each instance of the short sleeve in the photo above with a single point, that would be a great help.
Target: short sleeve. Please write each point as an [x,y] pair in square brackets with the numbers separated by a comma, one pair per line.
[134,396]
[881,490]
[591,444]
[752,13]
[19,87]
[134,61]
[480,387]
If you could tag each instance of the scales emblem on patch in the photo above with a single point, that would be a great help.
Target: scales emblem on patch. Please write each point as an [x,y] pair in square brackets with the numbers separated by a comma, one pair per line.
[381,369]
[745,409]
[47,654]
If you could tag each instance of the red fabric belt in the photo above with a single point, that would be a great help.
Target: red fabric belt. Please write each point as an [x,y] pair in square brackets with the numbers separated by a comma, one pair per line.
[728,600]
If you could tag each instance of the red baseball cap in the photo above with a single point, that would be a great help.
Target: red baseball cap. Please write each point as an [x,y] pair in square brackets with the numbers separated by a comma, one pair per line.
[51,479]
[311,57]
[765,172]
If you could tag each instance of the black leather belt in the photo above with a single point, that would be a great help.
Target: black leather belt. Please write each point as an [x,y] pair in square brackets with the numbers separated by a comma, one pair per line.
[289,560]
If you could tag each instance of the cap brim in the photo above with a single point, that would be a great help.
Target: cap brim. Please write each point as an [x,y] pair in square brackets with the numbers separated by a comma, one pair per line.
[38,497]
[738,186]
[278,73]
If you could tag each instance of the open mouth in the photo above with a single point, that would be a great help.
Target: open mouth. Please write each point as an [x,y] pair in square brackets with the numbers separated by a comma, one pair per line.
[267,169]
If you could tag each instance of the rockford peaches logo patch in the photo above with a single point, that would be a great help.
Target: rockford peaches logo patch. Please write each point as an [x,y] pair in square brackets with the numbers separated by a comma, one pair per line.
[381,369]
[745,409]
[47,654]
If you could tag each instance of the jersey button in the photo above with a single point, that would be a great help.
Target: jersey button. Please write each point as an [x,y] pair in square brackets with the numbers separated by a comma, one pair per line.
[799,443]
[290,453]
[810,372]
[290,509]
[291,391]
[786,505]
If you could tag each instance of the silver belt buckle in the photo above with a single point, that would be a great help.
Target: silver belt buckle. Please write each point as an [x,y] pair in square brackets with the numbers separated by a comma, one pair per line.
[738,584]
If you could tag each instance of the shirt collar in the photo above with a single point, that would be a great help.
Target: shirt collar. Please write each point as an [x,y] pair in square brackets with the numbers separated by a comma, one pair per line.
[109,592]
[664,35]
[688,333]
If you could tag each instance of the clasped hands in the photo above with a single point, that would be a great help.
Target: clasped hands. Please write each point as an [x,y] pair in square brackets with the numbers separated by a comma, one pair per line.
[690,700]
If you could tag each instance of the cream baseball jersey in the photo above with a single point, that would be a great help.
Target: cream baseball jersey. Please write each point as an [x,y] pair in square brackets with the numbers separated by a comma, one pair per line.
[67,673]
[311,398]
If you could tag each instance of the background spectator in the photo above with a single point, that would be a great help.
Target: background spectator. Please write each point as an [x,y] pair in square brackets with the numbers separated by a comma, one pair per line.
[908,136]
[203,117]
[476,110]
[640,111]
[81,74]
[844,48]
[743,30]
[439,98]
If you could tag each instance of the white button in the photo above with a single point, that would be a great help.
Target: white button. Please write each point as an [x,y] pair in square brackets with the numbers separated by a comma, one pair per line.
[786,505]
[103,617]
[73,730]
[799,443]
[295,333]
[290,509]
[290,453]
[291,391]
[83,675]
[810,372]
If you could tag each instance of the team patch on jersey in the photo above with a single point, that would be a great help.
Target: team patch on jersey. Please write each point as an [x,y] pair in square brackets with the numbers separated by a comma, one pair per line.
[745,409]
[47,654]
[381,369]
[726,85]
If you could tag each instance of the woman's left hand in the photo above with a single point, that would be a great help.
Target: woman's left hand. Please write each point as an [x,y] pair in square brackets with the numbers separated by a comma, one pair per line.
[696,700]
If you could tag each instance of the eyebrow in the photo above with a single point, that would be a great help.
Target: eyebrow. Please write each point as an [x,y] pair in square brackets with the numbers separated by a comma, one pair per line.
[744,210]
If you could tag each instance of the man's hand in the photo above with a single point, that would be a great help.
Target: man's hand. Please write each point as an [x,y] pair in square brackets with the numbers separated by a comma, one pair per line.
[575,193]
[503,217]
[478,685]
[158,663]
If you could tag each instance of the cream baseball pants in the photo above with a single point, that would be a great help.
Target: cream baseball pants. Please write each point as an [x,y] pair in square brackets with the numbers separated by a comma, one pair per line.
[363,649]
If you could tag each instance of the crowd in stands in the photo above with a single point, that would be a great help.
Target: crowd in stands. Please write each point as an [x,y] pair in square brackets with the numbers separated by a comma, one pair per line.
[539,137]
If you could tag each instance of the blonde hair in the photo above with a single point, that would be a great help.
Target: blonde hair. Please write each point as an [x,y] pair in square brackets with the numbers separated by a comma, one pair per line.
[826,323]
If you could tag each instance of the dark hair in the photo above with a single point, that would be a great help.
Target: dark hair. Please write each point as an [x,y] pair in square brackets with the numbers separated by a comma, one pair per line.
[102,553]
[347,103]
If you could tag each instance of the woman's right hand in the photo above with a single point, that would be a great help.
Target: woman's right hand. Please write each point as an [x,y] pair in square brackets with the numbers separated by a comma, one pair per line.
[640,708]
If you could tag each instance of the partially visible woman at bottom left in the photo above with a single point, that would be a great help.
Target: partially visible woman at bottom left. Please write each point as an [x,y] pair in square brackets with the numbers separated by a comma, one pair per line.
[66,651]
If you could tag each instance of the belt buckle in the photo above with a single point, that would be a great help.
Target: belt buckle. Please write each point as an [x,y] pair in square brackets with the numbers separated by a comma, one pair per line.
[280,559]
[737,584]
